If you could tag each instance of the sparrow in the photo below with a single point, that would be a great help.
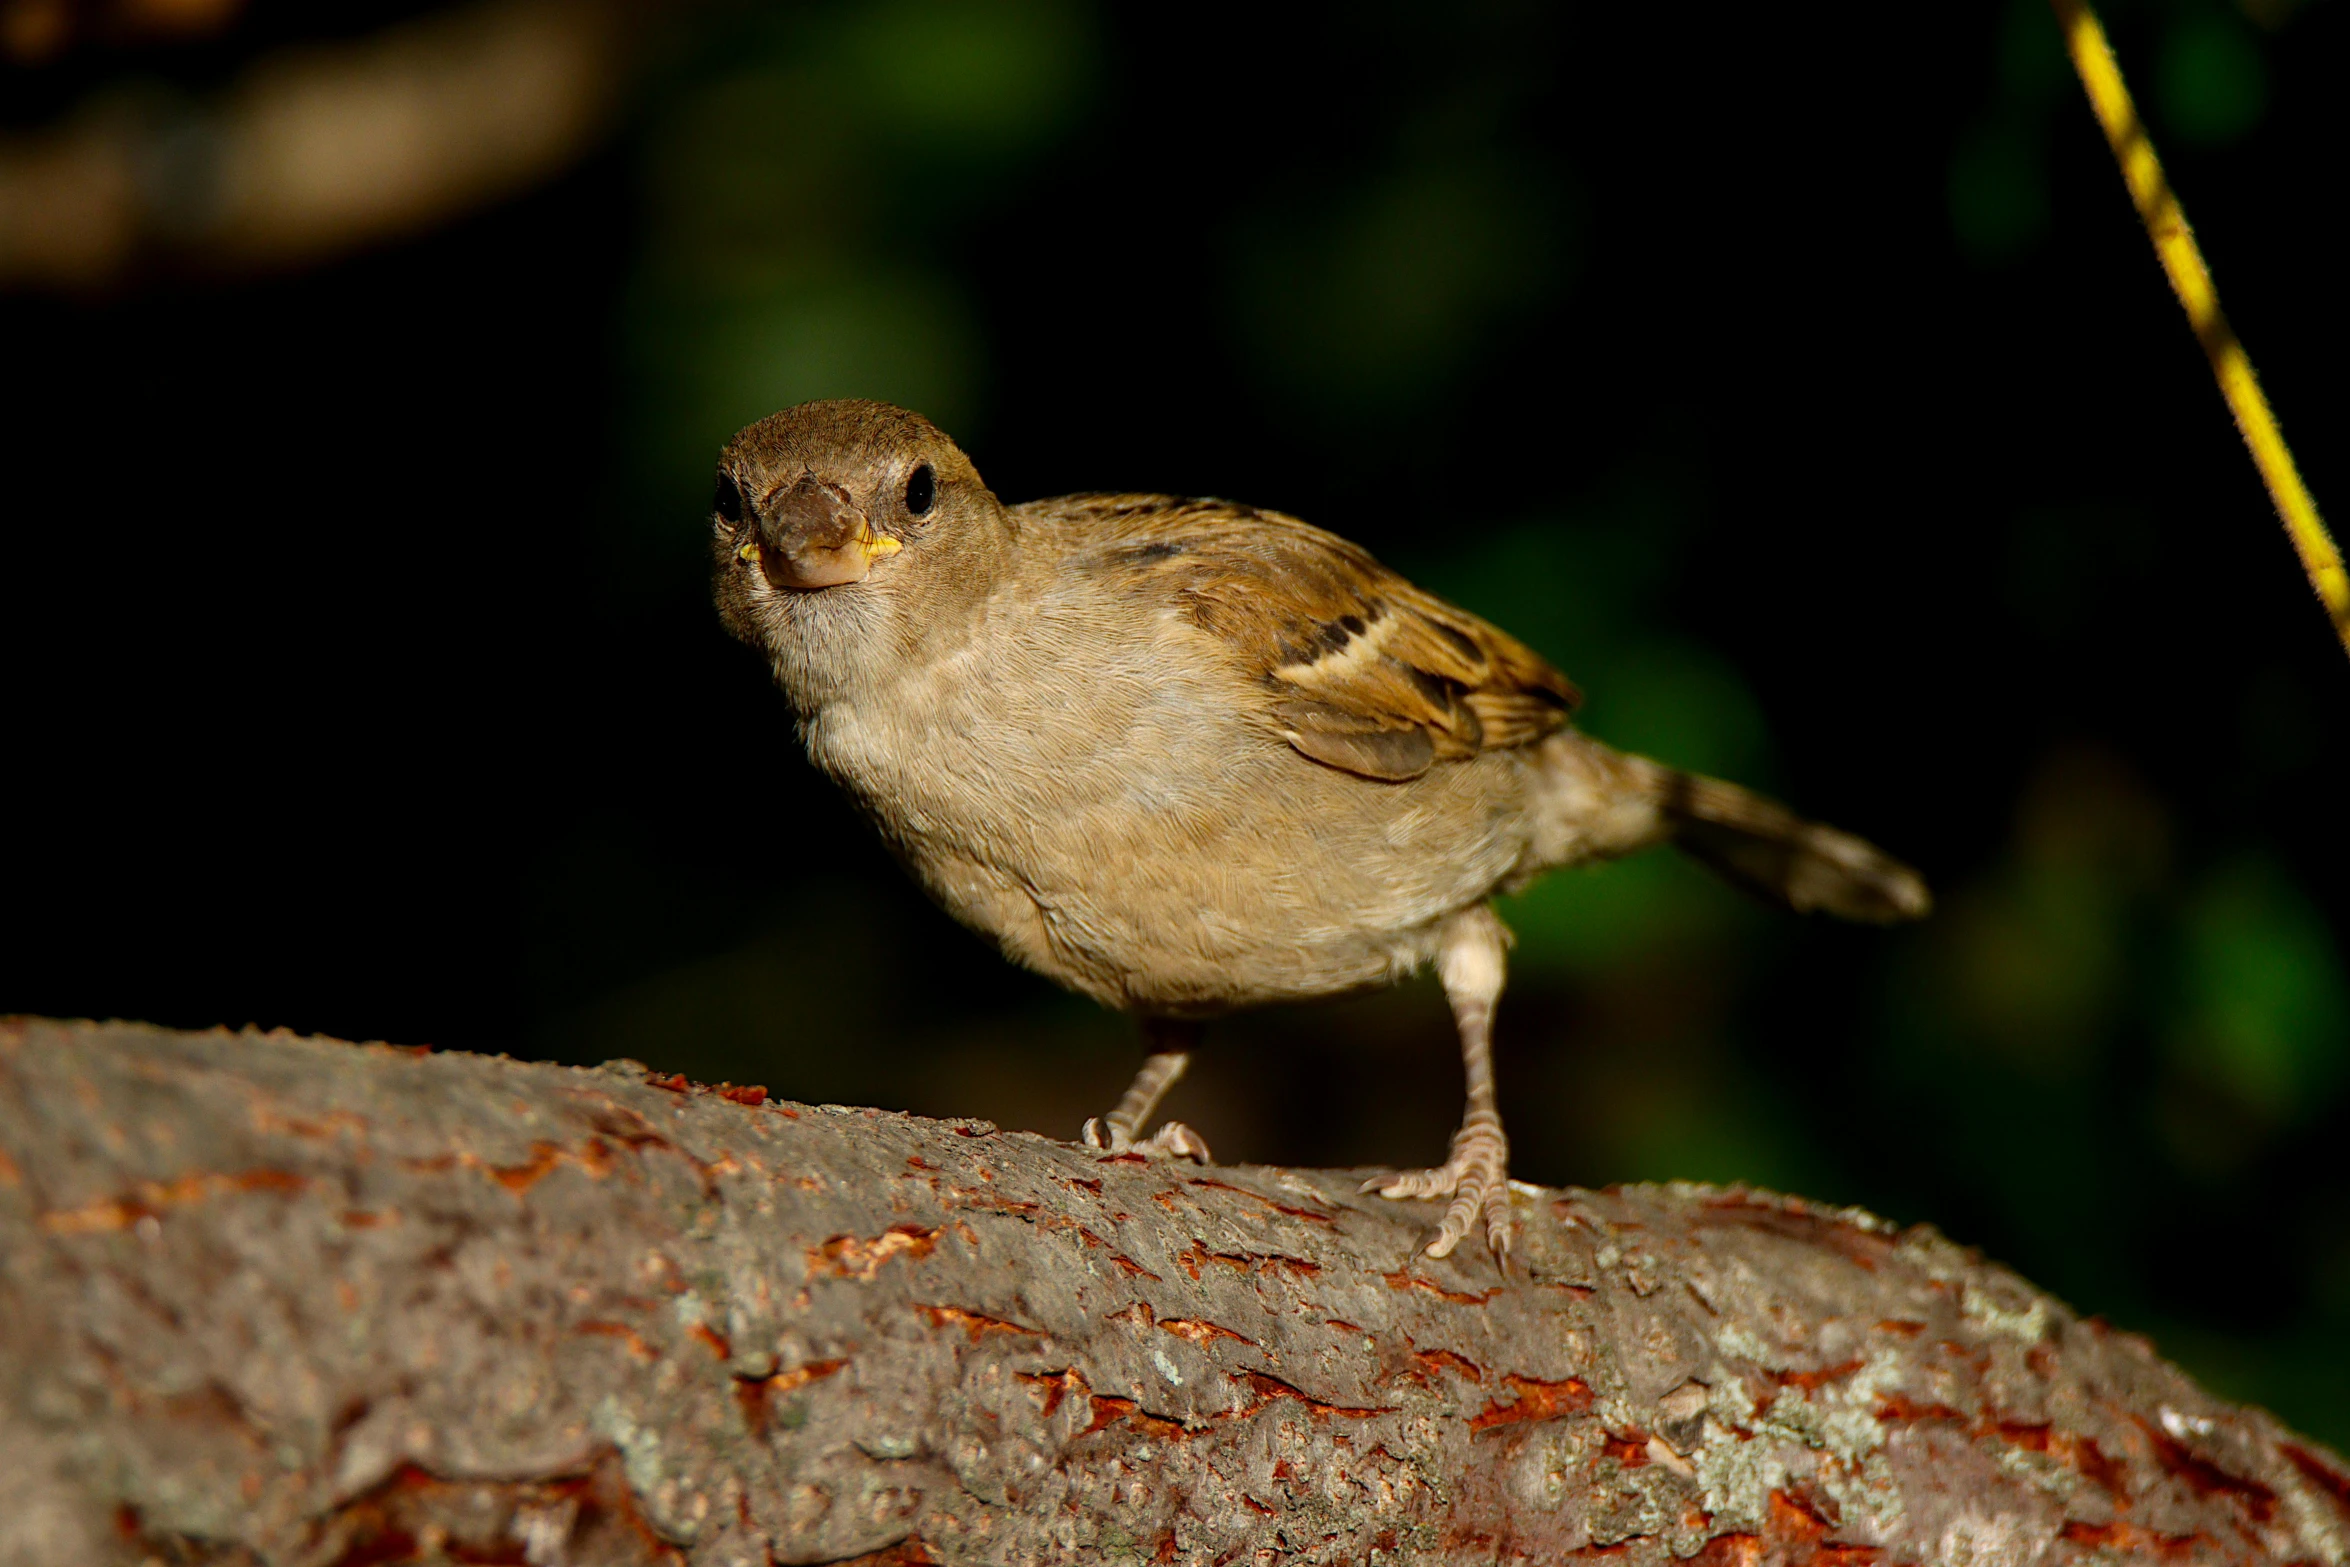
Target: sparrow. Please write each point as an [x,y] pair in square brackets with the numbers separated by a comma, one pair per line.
[1185,756]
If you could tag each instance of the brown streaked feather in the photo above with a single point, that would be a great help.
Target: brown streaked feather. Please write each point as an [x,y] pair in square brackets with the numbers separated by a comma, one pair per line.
[1369,673]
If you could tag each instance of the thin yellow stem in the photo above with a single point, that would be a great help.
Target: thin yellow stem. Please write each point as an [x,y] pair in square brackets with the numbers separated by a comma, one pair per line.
[2190,279]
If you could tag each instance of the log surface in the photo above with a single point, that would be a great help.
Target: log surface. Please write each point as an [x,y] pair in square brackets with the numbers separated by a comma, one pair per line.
[286,1300]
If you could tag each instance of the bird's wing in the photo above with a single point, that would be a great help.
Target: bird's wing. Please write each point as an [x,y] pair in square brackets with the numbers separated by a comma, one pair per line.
[1362,670]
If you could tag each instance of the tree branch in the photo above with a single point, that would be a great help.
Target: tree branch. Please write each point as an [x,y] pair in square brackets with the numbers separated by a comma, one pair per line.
[286,1300]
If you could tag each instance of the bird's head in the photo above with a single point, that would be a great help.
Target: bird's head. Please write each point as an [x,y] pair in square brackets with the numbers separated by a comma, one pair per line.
[845,531]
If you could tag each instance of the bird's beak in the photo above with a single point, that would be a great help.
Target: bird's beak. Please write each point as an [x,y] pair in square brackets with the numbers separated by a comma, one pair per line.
[814,536]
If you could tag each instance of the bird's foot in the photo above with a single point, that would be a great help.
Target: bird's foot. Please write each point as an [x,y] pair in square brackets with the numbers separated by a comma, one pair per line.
[1171,1141]
[1477,1180]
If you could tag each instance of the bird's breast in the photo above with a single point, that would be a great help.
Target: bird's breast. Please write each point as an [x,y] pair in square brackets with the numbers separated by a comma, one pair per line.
[997,758]
[1111,815]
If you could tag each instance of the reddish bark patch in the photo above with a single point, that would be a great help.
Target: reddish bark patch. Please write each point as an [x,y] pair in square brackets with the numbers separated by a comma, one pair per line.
[318,1128]
[595,1157]
[1903,1326]
[625,1126]
[2081,1453]
[673,1082]
[1801,1222]
[2206,1478]
[750,1396]
[1404,1279]
[1438,1360]
[1308,1214]
[752,1094]
[753,1394]
[1132,1269]
[1795,1518]
[1196,1256]
[1055,1386]
[2105,1473]
[2127,1539]
[1629,1451]
[2320,1474]
[414,1516]
[1731,1550]
[1202,1333]
[971,1322]
[847,1257]
[1900,1409]
[1536,1400]
[621,1331]
[1268,1388]
[1831,1553]
[989,1201]
[1108,1411]
[713,1340]
[1813,1381]
[149,1199]
[906,1553]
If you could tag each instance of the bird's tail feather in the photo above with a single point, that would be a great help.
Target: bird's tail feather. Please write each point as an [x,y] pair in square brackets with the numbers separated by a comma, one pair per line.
[1770,851]
[1608,803]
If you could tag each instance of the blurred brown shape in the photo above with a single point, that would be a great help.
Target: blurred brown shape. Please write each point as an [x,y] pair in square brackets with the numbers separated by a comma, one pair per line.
[316,151]
[33,32]
[180,16]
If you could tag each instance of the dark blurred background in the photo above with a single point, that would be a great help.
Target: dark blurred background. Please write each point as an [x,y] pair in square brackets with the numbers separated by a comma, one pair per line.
[1798,379]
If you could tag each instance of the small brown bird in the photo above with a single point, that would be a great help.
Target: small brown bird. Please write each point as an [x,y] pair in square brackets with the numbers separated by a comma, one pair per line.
[1186,756]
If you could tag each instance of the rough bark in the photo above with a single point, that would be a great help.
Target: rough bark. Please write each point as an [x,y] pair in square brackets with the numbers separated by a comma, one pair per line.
[287,1300]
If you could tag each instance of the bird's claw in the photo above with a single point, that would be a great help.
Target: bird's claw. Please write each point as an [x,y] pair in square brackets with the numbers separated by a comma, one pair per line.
[1475,1177]
[1174,1140]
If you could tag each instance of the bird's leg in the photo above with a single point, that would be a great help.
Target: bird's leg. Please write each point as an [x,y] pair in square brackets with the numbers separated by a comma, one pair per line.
[1470,962]
[1170,1041]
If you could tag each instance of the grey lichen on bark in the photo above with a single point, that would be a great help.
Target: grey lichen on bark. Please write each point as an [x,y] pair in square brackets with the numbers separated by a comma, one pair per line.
[272,1299]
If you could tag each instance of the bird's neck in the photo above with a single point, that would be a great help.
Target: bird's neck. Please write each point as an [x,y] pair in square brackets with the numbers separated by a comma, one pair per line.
[864,650]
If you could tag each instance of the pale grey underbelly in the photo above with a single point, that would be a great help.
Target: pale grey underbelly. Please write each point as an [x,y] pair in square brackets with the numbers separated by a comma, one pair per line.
[1157,891]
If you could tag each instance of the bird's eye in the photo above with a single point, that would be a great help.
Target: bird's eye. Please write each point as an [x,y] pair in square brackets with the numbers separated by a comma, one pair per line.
[728,501]
[921,490]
